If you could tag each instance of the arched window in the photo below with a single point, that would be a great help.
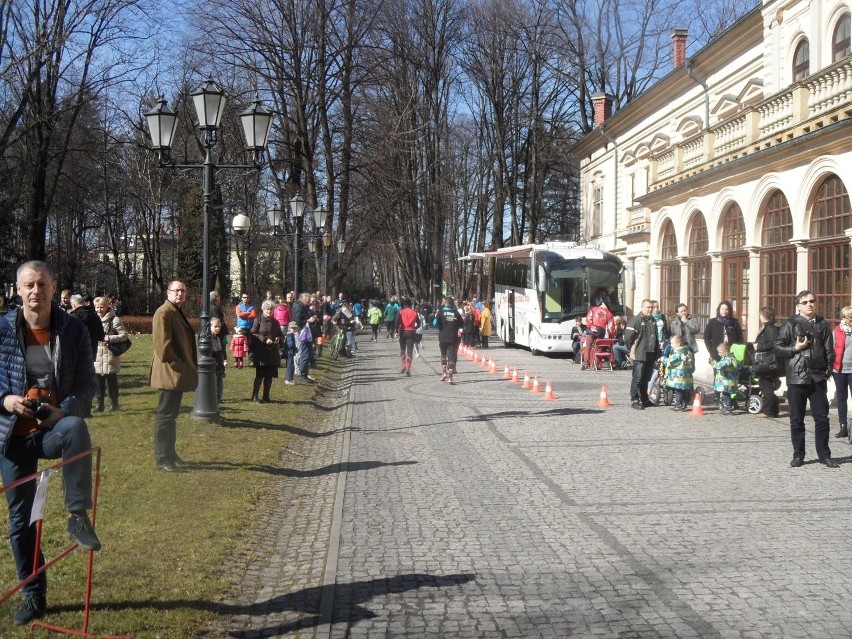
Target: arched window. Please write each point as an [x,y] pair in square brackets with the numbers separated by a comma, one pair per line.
[829,250]
[840,40]
[698,284]
[802,61]
[669,271]
[778,257]
[735,262]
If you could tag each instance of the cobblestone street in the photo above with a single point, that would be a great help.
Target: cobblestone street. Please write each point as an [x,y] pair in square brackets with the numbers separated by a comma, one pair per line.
[481,510]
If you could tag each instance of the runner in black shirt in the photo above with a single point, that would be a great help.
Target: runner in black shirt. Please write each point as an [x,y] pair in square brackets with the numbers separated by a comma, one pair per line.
[449,322]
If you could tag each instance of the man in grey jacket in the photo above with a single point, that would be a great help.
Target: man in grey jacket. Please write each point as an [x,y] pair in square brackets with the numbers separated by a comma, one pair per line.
[806,344]
[640,337]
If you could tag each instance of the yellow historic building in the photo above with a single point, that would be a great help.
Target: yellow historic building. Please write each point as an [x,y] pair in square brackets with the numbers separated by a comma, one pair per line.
[729,178]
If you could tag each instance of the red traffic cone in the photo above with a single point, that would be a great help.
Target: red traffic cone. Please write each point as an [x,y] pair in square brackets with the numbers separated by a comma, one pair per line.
[548,391]
[536,387]
[483,362]
[526,383]
[515,375]
[697,408]
[507,374]
[603,402]
[492,366]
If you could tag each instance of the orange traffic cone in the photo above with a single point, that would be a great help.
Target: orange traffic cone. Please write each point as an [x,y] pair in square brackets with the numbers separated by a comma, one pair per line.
[515,374]
[507,374]
[548,391]
[483,362]
[536,387]
[492,366]
[526,383]
[603,402]
[697,408]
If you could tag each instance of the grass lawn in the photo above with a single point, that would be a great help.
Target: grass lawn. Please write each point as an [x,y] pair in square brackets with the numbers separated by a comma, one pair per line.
[166,537]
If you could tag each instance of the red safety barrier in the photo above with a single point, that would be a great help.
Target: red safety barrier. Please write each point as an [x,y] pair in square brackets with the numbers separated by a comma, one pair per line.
[64,553]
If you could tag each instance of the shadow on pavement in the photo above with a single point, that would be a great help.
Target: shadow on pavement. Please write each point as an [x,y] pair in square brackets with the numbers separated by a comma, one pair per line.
[348,599]
[291,472]
[555,412]
[243,423]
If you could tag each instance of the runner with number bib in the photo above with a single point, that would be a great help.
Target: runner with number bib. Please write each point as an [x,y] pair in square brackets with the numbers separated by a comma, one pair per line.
[449,322]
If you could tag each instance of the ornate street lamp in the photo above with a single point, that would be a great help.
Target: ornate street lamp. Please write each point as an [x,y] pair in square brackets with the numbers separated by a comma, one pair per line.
[209,101]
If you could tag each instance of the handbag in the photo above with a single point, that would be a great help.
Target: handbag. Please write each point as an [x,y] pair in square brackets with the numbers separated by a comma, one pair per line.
[764,362]
[119,348]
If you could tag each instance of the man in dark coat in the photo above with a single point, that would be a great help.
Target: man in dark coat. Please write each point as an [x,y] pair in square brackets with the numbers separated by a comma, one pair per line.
[641,338]
[46,361]
[806,344]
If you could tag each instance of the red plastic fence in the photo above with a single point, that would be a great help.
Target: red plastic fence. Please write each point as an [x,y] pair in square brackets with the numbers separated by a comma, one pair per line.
[66,551]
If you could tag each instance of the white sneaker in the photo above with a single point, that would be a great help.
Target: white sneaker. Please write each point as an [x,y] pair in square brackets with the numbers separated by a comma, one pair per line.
[289,382]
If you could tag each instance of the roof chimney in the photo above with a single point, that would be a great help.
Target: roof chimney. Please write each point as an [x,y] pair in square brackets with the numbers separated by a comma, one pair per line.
[602,103]
[679,46]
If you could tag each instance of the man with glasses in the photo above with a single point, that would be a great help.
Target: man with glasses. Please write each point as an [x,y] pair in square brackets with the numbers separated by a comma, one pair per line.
[173,371]
[246,313]
[805,342]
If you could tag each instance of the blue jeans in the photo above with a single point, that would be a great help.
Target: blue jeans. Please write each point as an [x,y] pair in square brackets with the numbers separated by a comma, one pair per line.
[620,353]
[303,354]
[290,367]
[798,396]
[842,384]
[68,437]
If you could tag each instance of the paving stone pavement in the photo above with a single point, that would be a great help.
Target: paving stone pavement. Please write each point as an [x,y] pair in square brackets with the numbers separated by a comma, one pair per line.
[481,510]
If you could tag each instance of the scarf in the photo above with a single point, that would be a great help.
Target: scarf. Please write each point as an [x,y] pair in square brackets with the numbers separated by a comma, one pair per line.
[661,327]
[847,328]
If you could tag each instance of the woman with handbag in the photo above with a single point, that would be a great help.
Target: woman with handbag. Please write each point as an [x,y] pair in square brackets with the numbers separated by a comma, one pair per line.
[765,365]
[108,358]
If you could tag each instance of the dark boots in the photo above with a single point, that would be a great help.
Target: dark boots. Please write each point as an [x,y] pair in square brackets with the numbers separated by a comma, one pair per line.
[844,431]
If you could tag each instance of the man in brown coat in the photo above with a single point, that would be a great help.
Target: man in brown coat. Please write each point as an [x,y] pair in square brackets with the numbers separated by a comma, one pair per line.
[173,371]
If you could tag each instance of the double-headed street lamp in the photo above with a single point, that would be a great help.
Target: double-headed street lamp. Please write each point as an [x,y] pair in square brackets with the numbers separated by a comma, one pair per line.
[297,208]
[209,101]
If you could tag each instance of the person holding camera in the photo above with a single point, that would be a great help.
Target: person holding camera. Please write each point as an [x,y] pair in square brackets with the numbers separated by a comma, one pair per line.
[806,346]
[48,378]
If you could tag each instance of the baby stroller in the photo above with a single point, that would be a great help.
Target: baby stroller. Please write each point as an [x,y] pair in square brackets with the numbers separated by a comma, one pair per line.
[748,387]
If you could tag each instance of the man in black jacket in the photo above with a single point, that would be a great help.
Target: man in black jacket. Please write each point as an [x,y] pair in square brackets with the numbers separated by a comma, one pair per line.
[86,314]
[640,337]
[805,343]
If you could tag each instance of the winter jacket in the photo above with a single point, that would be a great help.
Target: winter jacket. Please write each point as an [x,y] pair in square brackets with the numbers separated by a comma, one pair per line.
[281,313]
[105,362]
[727,374]
[715,334]
[266,354]
[239,345]
[687,330]
[92,323]
[813,364]
[485,326]
[680,365]
[599,321]
[175,363]
[74,371]
[839,347]
[641,331]
[246,314]
[765,342]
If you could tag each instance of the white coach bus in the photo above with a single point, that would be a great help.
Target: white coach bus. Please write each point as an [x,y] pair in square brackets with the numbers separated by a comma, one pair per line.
[540,289]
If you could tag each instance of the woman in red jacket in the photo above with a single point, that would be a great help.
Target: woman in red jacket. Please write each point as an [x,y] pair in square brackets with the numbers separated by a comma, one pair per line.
[842,372]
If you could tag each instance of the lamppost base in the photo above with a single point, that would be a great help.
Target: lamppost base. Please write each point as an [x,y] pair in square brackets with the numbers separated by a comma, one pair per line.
[206,405]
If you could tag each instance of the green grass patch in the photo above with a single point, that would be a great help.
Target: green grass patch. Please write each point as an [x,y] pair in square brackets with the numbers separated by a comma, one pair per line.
[166,537]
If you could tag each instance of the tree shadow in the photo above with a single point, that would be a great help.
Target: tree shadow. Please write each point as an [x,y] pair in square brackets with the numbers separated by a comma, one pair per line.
[349,599]
[554,412]
[332,469]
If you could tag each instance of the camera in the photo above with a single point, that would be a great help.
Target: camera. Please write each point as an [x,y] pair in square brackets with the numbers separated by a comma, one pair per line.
[41,410]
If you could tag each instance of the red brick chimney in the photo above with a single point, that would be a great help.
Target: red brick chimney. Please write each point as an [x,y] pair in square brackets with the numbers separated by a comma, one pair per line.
[602,103]
[679,46]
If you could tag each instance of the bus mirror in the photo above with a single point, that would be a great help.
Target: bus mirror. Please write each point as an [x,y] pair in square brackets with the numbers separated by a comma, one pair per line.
[542,279]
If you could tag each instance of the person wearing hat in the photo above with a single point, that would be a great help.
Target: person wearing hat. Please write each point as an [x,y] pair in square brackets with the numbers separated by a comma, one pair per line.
[288,352]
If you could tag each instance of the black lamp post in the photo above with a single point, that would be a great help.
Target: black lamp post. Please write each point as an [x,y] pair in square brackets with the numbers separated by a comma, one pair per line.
[297,208]
[209,101]
[327,242]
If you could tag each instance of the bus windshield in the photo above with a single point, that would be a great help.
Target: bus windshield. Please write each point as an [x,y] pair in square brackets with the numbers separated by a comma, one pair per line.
[572,289]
